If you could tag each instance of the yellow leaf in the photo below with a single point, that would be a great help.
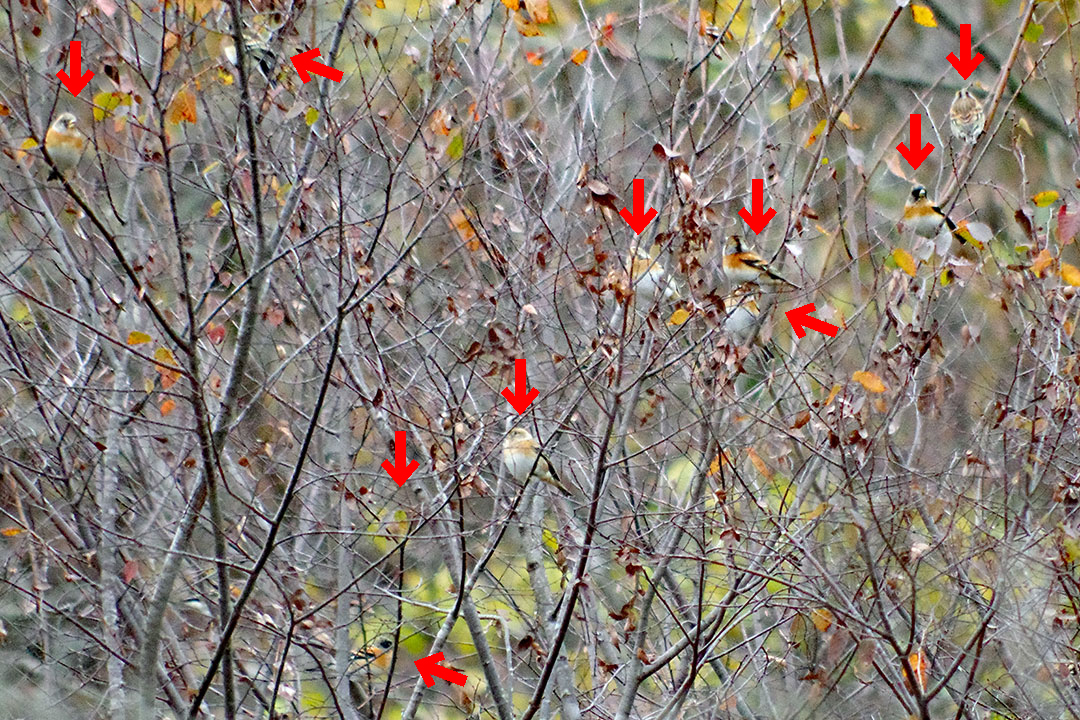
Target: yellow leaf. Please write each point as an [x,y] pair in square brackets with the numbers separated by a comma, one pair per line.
[904,261]
[20,313]
[822,619]
[527,28]
[311,116]
[381,4]
[815,132]
[945,278]
[868,380]
[182,109]
[512,4]
[757,462]
[29,144]
[215,209]
[106,102]
[1046,197]
[138,338]
[832,395]
[679,317]
[11,531]
[798,97]
[1070,274]
[923,15]
[579,57]
[165,356]
[845,120]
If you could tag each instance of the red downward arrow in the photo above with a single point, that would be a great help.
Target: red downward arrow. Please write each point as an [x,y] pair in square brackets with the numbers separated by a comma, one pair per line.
[915,152]
[75,82]
[758,219]
[800,318]
[306,63]
[967,65]
[402,470]
[519,398]
[430,666]
[639,219]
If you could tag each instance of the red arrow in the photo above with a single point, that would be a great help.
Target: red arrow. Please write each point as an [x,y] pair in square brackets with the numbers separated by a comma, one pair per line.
[402,470]
[915,152]
[758,219]
[519,398]
[430,666]
[75,82]
[306,63]
[966,66]
[800,318]
[638,219]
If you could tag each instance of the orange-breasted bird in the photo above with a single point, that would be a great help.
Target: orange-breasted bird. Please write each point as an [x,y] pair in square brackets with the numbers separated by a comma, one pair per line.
[746,266]
[925,217]
[377,655]
[65,145]
[521,455]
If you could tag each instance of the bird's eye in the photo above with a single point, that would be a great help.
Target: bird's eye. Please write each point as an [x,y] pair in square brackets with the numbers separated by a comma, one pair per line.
[386,643]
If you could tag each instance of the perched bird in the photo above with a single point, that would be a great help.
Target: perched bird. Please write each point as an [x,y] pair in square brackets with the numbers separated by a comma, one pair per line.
[377,655]
[65,145]
[746,266]
[742,316]
[966,117]
[925,217]
[258,50]
[521,455]
[648,278]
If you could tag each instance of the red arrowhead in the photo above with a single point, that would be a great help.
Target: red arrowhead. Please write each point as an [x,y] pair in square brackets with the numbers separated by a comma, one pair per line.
[966,66]
[75,82]
[639,219]
[800,318]
[518,397]
[306,63]
[915,152]
[430,666]
[758,219]
[402,470]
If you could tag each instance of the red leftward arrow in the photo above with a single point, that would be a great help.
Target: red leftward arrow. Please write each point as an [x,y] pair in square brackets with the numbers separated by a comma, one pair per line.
[639,219]
[966,63]
[400,470]
[76,81]
[430,666]
[915,152]
[519,397]
[757,220]
[800,318]
[306,63]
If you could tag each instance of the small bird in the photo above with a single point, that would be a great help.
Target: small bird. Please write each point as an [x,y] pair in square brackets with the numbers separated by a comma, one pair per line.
[65,145]
[258,50]
[966,116]
[926,218]
[521,455]
[377,655]
[746,266]
[648,278]
[742,316]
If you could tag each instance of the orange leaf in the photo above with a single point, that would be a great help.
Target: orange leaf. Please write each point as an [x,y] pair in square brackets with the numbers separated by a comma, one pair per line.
[1070,274]
[182,109]
[527,28]
[11,531]
[534,58]
[1042,261]
[758,463]
[868,380]
[822,618]
[917,661]
[514,5]
[167,406]
[579,57]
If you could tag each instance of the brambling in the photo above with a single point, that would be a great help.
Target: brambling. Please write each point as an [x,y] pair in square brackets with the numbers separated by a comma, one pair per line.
[925,217]
[65,145]
[966,116]
[743,266]
[377,655]
[522,458]
[257,46]
[647,277]
[742,317]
